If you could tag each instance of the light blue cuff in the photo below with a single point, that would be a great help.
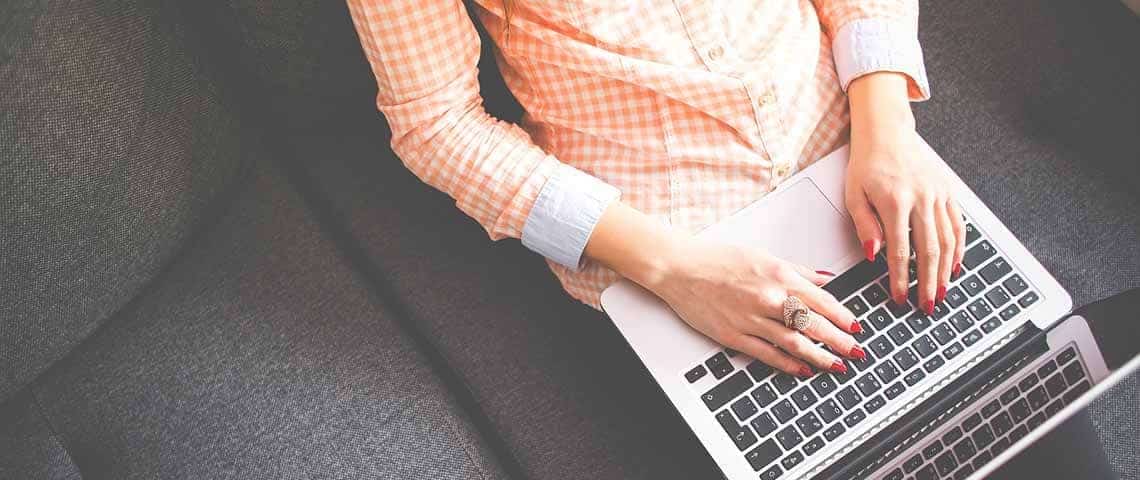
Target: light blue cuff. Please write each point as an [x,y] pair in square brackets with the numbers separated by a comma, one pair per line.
[875,45]
[565,213]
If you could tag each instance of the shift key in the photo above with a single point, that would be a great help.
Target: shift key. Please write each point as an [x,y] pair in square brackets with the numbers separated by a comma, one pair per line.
[728,390]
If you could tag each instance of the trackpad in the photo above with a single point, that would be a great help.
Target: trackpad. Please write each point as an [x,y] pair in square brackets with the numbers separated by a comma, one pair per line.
[796,223]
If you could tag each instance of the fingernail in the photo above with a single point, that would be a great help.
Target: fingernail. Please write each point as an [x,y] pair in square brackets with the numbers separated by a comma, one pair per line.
[825,272]
[929,307]
[805,372]
[869,249]
[941,294]
[856,328]
[857,353]
[838,367]
[957,269]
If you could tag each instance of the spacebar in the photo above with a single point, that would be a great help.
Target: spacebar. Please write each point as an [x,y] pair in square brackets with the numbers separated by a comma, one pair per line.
[855,278]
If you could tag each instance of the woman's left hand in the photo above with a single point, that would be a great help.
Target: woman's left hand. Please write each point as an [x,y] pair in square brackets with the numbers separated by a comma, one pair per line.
[898,191]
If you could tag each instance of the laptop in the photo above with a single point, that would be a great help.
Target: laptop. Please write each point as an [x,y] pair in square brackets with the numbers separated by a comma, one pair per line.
[947,395]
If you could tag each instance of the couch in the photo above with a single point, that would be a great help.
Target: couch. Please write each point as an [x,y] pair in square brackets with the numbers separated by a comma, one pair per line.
[212,266]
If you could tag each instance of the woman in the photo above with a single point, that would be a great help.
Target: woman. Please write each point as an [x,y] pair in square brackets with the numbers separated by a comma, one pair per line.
[648,120]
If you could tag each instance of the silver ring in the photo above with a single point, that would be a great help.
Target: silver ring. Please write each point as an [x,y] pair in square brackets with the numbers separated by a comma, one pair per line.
[796,314]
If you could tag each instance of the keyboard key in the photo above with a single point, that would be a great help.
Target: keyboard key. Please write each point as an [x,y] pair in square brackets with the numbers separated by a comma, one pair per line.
[972,337]
[744,408]
[772,473]
[719,365]
[896,474]
[983,436]
[829,411]
[973,285]
[880,319]
[931,450]
[990,325]
[1019,411]
[1073,372]
[1026,383]
[881,346]
[906,359]
[1009,395]
[918,321]
[926,473]
[1046,368]
[784,383]
[965,450]
[999,446]
[1001,423]
[848,397]
[1029,299]
[952,435]
[857,306]
[842,378]
[1054,407]
[996,269]
[971,422]
[823,385]
[856,278]
[813,446]
[979,309]
[874,404]
[914,377]
[952,351]
[964,472]
[997,297]
[1009,312]
[1036,420]
[874,294]
[961,321]
[894,390]
[1017,433]
[971,233]
[854,418]
[911,464]
[886,371]
[941,311]
[864,335]
[1066,355]
[764,395]
[731,353]
[741,436]
[867,384]
[955,297]
[1076,391]
[804,398]
[759,370]
[991,408]
[924,346]
[833,432]
[945,464]
[698,372]
[943,333]
[982,459]
[789,437]
[931,365]
[789,462]
[1055,385]
[978,254]
[1015,285]
[898,310]
[900,334]
[763,454]
[729,389]
[809,424]
[1038,398]
[784,411]
[764,425]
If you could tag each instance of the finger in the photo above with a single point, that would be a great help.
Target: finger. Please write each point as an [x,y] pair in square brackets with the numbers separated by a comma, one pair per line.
[947,243]
[823,303]
[816,277]
[896,224]
[925,230]
[866,222]
[765,352]
[840,342]
[800,346]
[958,223]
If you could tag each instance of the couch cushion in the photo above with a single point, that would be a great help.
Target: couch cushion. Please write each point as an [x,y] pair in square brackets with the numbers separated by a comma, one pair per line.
[29,448]
[114,148]
[259,354]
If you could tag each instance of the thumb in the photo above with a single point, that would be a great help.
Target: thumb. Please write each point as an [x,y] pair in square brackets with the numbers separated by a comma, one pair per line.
[866,223]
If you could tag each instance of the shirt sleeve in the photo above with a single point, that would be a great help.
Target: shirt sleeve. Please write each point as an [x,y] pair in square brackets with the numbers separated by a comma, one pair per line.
[875,36]
[424,55]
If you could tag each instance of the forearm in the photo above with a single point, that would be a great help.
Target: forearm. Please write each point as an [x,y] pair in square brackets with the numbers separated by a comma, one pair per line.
[633,245]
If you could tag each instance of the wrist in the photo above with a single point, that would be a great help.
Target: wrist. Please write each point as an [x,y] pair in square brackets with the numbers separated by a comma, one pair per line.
[880,106]
[636,246]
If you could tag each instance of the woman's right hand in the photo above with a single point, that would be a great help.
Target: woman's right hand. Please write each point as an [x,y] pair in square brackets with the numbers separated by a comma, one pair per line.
[735,296]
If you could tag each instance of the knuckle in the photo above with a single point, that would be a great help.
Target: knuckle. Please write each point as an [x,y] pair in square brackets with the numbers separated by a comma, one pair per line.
[900,254]
[931,248]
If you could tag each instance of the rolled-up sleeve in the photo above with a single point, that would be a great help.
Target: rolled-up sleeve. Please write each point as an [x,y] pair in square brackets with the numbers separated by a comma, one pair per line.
[875,36]
[423,54]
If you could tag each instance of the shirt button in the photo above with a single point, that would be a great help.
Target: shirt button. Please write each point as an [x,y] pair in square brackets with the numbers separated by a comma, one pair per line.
[767,98]
[781,170]
[715,52]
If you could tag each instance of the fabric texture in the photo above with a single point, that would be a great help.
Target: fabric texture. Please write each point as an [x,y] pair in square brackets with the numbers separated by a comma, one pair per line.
[692,110]
[29,449]
[114,147]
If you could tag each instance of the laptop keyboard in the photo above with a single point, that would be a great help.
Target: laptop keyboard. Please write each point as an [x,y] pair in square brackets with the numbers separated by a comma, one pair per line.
[978,438]
[777,420]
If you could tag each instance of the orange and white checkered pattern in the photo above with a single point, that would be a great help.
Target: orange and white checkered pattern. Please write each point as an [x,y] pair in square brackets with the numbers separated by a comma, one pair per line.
[692,109]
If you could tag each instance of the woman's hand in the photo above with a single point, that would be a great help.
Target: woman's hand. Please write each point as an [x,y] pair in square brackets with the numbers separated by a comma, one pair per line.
[897,192]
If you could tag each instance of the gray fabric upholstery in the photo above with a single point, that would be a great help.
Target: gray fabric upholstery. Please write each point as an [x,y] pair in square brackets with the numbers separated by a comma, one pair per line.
[260,353]
[29,449]
[114,146]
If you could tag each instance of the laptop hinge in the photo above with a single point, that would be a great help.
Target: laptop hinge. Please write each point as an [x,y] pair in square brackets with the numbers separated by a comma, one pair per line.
[1029,342]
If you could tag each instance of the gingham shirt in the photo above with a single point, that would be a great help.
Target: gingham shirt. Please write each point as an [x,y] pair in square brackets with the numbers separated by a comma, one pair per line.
[686,109]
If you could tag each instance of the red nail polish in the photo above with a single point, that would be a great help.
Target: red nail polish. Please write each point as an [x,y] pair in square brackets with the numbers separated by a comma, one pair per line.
[869,249]
[805,372]
[825,272]
[929,307]
[838,367]
[957,269]
[941,294]
[857,353]
[856,328]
